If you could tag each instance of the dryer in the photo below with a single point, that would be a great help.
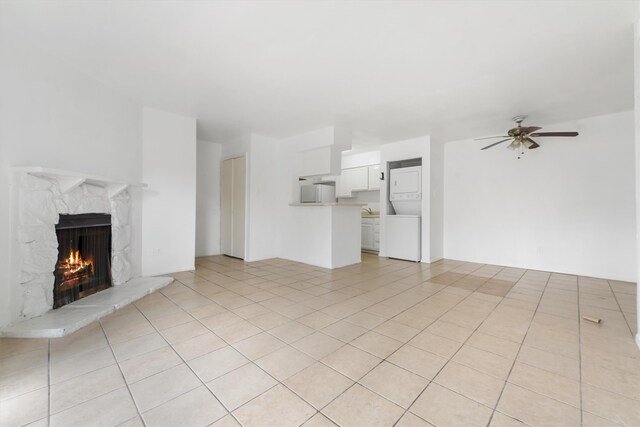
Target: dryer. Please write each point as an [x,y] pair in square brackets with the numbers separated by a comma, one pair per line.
[405,190]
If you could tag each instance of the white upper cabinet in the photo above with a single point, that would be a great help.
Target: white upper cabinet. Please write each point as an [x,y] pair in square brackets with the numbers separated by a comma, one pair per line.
[363,178]
[374,177]
[358,178]
[342,187]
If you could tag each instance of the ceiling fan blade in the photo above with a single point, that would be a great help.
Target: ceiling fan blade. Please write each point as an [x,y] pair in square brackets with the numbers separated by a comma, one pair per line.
[554,134]
[531,144]
[530,129]
[495,143]
[490,137]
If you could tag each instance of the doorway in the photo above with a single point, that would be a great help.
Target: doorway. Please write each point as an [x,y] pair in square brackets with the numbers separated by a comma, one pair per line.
[234,180]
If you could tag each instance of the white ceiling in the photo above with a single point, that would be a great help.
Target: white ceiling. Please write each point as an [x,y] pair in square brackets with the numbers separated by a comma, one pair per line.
[390,70]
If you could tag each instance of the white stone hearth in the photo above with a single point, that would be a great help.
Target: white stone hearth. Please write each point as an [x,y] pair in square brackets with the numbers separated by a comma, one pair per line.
[71,317]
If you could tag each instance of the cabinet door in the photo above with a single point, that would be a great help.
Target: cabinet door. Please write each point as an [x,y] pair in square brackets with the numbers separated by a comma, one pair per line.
[376,235]
[342,186]
[359,178]
[367,236]
[374,177]
[347,181]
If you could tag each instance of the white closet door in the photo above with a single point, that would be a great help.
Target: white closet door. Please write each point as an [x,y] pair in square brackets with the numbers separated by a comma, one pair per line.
[239,200]
[227,207]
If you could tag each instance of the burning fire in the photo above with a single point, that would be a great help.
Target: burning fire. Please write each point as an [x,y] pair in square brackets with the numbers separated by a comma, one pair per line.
[75,263]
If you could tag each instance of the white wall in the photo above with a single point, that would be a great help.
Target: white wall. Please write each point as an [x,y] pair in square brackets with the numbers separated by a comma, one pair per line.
[56,117]
[263,218]
[288,192]
[208,158]
[436,201]
[169,204]
[404,150]
[565,207]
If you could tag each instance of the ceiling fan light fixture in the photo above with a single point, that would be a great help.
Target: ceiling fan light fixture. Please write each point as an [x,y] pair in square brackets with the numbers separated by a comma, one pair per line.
[514,145]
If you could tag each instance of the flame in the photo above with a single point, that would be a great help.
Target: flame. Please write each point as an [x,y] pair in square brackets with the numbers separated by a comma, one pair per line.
[75,263]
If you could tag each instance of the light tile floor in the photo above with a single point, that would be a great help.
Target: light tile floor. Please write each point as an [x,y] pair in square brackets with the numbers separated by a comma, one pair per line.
[383,343]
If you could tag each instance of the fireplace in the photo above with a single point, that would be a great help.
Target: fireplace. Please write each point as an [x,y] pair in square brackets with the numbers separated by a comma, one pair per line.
[84,257]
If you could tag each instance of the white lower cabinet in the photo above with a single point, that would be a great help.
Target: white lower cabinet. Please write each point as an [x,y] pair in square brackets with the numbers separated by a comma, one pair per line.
[376,238]
[371,234]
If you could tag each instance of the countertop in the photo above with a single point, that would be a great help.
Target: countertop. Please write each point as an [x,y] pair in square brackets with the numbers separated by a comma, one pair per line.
[366,215]
[349,204]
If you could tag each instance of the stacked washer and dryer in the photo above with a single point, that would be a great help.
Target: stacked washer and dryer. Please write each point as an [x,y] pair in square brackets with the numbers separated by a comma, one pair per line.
[403,230]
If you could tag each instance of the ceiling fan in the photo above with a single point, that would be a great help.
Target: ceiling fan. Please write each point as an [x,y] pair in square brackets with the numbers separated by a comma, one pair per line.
[520,136]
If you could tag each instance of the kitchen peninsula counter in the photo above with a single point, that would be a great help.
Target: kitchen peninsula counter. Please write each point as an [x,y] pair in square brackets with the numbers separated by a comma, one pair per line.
[326,235]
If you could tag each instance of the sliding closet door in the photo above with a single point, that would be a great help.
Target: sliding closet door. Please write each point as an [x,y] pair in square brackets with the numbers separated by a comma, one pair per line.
[239,200]
[226,223]
[233,206]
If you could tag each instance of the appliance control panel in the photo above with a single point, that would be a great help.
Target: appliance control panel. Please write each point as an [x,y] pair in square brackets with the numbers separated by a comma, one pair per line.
[405,196]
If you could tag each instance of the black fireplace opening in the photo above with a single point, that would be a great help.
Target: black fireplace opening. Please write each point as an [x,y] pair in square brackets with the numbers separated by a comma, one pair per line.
[84,257]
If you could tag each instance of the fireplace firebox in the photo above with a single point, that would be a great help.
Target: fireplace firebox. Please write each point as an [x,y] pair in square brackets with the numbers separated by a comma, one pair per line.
[84,257]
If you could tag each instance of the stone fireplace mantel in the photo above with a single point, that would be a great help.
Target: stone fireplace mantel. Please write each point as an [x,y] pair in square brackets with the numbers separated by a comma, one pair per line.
[68,180]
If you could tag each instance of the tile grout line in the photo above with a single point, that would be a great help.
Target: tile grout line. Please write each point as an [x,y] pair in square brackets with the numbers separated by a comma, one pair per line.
[278,382]
[524,337]
[456,352]
[319,361]
[615,297]
[185,362]
[317,411]
[231,310]
[135,404]
[356,382]
[407,343]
